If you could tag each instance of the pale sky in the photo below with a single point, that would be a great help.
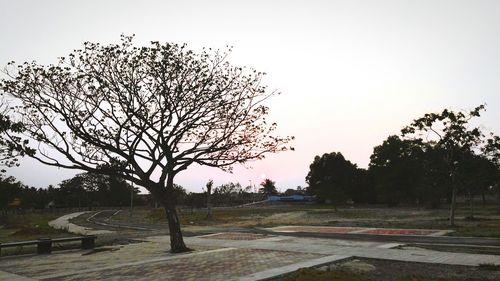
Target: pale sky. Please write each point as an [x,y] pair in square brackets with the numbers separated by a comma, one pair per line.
[350,72]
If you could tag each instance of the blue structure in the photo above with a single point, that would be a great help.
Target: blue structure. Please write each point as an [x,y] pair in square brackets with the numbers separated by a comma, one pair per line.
[292,198]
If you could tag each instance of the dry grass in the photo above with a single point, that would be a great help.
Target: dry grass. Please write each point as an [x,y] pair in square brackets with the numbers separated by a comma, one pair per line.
[28,227]
[486,224]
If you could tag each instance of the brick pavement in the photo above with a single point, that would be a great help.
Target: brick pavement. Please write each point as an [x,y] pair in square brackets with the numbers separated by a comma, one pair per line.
[222,256]
[310,245]
[220,265]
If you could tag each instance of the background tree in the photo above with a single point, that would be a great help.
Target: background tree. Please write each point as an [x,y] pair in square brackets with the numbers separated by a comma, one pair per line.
[433,184]
[73,194]
[331,177]
[291,191]
[89,189]
[231,194]
[452,134]
[475,175]
[10,189]
[492,151]
[363,189]
[396,166]
[83,190]
[195,200]
[268,187]
[146,113]
[229,188]
[180,194]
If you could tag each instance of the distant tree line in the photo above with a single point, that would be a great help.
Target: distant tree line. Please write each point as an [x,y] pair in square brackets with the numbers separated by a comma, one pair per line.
[436,158]
[227,194]
[400,172]
[84,190]
[87,190]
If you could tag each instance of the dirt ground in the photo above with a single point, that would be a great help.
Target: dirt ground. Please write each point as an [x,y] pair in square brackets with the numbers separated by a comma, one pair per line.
[385,270]
[485,224]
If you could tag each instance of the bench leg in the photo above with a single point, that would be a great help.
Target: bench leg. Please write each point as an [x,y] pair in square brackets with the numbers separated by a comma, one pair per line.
[44,246]
[88,242]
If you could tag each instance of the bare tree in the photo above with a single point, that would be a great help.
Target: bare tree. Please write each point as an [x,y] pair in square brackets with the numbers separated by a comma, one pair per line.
[144,113]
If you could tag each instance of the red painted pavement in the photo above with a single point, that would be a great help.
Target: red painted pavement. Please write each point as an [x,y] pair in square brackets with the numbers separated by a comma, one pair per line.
[360,230]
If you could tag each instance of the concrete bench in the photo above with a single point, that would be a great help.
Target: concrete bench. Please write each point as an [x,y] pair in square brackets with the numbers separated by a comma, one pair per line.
[44,245]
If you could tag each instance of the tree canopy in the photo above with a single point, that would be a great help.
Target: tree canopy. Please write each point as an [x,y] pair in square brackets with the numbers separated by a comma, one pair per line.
[451,132]
[97,190]
[395,165]
[331,177]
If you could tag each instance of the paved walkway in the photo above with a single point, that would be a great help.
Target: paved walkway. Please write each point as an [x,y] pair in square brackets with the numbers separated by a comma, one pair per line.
[361,230]
[63,223]
[222,256]
[218,256]
[403,236]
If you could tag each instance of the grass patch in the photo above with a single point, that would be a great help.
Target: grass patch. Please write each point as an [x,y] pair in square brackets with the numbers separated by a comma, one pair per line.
[480,230]
[230,215]
[342,213]
[489,266]
[420,278]
[28,227]
[310,274]
[197,217]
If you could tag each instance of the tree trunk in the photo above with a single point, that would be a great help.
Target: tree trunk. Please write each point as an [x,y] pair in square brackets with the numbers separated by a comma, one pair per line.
[453,206]
[209,211]
[168,201]
[176,241]
[454,191]
[498,199]
[471,205]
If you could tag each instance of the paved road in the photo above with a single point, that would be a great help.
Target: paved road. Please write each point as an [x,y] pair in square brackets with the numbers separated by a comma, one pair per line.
[63,223]
[104,218]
